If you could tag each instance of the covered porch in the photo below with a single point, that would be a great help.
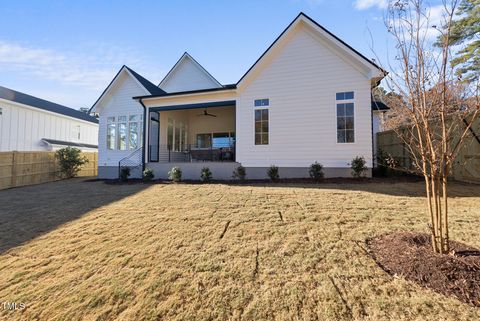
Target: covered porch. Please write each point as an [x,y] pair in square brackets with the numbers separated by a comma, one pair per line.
[191,133]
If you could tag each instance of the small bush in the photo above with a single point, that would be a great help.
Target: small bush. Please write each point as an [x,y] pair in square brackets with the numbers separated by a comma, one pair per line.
[272,172]
[124,173]
[175,174]
[316,171]
[239,173]
[386,164]
[70,160]
[206,175]
[148,174]
[358,166]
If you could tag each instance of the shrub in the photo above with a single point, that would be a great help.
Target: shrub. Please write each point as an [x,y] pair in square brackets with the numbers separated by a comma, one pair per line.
[240,173]
[175,174]
[272,172]
[206,175]
[386,164]
[148,174]
[124,173]
[70,161]
[358,166]
[316,171]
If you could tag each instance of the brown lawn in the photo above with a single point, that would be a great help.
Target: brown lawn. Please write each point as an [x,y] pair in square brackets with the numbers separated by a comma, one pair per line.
[74,250]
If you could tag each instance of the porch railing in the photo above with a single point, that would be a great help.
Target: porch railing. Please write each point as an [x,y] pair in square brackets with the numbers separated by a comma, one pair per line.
[192,153]
[132,161]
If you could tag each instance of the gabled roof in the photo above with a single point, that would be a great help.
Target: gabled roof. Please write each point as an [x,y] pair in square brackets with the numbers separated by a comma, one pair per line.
[24,99]
[185,58]
[302,17]
[145,83]
[154,90]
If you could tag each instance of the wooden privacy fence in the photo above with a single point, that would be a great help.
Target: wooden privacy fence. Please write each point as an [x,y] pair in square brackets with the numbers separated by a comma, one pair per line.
[27,168]
[466,167]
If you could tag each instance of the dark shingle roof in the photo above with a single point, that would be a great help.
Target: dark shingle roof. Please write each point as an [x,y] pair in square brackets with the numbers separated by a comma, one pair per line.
[154,90]
[378,105]
[21,98]
[67,143]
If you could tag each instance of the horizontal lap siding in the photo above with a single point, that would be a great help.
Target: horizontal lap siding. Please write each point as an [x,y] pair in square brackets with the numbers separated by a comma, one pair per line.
[188,76]
[120,104]
[301,82]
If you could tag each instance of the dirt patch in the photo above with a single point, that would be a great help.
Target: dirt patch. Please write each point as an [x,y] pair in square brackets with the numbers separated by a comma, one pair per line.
[410,255]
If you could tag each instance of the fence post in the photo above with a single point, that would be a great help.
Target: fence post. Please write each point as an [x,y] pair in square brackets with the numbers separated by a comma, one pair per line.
[14,169]
[95,160]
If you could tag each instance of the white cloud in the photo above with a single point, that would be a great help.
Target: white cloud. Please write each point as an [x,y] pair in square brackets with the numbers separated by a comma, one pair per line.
[83,71]
[366,4]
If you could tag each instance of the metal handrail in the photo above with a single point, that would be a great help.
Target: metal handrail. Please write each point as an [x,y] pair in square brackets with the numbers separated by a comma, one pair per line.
[132,161]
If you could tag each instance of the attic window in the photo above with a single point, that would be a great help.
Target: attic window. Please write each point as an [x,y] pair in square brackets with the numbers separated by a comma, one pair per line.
[345,95]
[261,102]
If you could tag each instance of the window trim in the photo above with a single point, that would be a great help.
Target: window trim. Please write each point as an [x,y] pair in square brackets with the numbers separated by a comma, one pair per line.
[345,101]
[114,120]
[262,107]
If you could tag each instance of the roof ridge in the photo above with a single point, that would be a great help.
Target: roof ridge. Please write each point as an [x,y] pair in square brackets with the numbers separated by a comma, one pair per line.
[29,100]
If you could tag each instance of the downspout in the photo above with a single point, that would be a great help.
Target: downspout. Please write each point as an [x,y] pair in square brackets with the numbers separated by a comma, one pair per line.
[144,132]
[373,138]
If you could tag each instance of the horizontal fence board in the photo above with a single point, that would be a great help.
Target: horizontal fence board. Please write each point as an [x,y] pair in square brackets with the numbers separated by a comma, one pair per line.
[27,168]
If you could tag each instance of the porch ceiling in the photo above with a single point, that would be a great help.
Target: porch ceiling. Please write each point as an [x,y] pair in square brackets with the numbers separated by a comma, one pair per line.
[224,103]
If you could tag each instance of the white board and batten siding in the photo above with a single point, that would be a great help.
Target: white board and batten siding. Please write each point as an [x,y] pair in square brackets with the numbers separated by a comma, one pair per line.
[118,103]
[22,128]
[301,82]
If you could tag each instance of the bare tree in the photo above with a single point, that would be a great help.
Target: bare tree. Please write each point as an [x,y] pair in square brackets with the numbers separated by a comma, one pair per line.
[434,111]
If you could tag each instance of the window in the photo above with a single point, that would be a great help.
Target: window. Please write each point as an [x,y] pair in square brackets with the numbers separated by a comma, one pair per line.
[348,95]
[221,140]
[170,134]
[178,127]
[135,131]
[261,102]
[345,117]
[204,140]
[122,136]
[1,111]
[75,133]
[261,126]
[216,140]
[133,135]
[111,133]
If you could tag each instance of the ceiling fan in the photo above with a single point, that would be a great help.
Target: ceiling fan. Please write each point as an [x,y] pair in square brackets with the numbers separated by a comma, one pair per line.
[206,113]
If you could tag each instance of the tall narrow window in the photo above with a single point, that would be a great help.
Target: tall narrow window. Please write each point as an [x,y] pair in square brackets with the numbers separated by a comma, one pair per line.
[122,133]
[134,131]
[111,133]
[133,135]
[177,144]
[170,134]
[345,117]
[261,121]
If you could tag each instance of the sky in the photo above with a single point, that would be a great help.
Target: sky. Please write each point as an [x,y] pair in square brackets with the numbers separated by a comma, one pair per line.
[69,51]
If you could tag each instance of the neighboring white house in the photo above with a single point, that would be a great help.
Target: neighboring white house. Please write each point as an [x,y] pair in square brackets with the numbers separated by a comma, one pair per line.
[28,123]
[306,99]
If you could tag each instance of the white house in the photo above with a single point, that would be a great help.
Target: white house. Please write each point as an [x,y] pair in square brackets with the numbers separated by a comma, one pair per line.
[29,123]
[306,99]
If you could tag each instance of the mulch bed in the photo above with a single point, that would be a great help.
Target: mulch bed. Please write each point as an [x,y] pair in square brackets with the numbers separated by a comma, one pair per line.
[305,181]
[410,255]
